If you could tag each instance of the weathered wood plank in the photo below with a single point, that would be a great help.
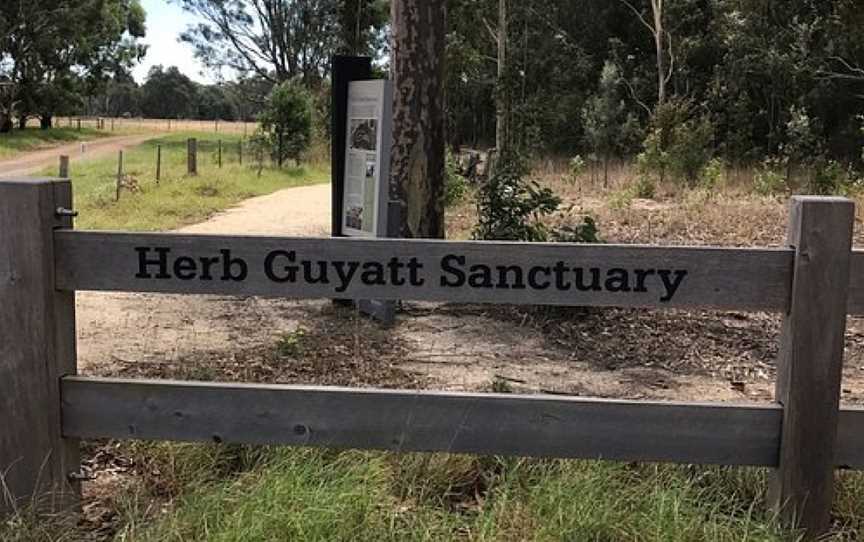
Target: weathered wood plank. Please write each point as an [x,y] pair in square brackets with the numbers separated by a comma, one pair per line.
[810,363]
[37,346]
[628,276]
[856,283]
[540,426]
[850,439]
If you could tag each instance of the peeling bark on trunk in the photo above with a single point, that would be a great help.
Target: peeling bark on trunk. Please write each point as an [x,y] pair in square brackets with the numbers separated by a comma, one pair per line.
[419,139]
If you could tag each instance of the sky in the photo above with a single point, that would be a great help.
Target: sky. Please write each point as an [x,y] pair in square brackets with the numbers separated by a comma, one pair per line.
[165,22]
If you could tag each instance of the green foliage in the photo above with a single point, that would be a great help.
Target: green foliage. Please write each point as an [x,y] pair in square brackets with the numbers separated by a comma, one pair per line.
[578,232]
[288,115]
[290,345]
[512,209]
[644,188]
[691,148]
[455,185]
[576,169]
[768,180]
[829,178]
[711,176]
[679,143]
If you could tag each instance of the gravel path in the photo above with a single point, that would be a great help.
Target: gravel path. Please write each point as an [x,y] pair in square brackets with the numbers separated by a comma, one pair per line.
[132,328]
[35,161]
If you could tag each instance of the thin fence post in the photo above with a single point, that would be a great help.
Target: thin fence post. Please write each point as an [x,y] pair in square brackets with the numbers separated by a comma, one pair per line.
[158,163]
[810,362]
[112,124]
[37,333]
[240,151]
[64,167]
[192,156]
[119,174]
[219,152]
[79,124]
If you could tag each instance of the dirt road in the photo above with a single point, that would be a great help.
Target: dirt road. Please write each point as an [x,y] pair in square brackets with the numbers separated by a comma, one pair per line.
[33,162]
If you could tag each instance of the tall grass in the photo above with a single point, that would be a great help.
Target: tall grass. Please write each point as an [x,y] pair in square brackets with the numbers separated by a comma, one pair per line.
[244,493]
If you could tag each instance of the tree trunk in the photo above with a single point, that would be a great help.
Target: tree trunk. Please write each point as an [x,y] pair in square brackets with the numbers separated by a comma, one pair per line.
[657,8]
[46,121]
[5,123]
[22,122]
[419,139]
[502,120]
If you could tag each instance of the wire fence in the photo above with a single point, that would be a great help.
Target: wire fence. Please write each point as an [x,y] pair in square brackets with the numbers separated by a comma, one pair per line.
[157,125]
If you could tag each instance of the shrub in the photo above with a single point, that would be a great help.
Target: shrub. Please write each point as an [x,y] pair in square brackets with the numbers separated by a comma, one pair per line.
[584,232]
[455,185]
[691,149]
[829,178]
[711,175]
[577,168]
[644,188]
[769,181]
[510,208]
[287,114]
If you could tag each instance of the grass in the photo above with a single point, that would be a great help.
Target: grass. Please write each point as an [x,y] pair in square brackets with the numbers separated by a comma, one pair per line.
[30,139]
[233,493]
[176,199]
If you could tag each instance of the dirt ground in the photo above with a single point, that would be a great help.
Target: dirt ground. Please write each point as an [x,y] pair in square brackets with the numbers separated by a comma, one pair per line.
[35,161]
[696,355]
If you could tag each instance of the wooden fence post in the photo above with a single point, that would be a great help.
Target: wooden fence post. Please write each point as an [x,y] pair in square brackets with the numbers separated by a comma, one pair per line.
[64,166]
[37,347]
[240,151]
[119,174]
[219,153]
[192,156]
[810,363]
[158,163]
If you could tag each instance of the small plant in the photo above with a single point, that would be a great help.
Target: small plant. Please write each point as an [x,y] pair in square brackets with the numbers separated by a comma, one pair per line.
[644,188]
[500,385]
[829,178]
[620,200]
[577,166]
[769,181]
[455,185]
[511,208]
[290,345]
[584,232]
[711,176]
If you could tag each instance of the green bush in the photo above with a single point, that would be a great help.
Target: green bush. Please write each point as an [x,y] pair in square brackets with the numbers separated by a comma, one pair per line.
[510,208]
[644,188]
[711,175]
[691,149]
[287,114]
[455,185]
[828,178]
[577,167]
[769,181]
[584,232]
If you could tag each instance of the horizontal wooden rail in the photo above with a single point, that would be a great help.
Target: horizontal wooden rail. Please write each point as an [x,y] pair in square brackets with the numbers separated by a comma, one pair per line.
[522,425]
[479,272]
[850,438]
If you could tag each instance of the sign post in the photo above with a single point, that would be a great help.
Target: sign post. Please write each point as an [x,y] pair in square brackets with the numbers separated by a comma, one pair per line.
[362,135]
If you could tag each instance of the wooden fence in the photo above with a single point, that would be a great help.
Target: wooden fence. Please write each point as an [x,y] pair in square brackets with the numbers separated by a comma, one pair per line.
[804,436]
